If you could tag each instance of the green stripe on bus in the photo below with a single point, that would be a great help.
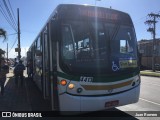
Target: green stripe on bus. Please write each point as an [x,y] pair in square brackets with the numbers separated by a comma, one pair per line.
[99,78]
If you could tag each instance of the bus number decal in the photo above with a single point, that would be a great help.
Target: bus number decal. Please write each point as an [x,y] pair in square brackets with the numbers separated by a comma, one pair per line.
[86,79]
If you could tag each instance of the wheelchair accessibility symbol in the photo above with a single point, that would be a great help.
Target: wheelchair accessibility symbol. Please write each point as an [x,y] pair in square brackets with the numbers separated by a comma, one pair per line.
[114,66]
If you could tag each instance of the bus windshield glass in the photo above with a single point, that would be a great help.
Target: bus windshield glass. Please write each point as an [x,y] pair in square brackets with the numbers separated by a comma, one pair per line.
[97,47]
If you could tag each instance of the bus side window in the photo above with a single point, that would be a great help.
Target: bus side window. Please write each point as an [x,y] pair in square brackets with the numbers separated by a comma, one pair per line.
[125,46]
[54,36]
[53,30]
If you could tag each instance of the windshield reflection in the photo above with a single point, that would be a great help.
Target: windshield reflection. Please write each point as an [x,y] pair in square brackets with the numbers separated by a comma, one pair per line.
[87,46]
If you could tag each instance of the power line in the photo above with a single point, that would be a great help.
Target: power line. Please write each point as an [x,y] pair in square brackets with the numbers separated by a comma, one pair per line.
[152,23]
[13,44]
[139,20]
[11,34]
[12,11]
[9,13]
[14,23]
[6,17]
[8,10]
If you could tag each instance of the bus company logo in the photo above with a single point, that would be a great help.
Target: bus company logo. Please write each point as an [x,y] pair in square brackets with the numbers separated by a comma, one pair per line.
[6,114]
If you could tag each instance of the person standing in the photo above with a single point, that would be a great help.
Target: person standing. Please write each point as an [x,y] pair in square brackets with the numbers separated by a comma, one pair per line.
[30,68]
[18,72]
[15,62]
[3,71]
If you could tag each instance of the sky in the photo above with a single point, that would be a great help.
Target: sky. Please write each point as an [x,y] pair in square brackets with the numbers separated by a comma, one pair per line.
[35,13]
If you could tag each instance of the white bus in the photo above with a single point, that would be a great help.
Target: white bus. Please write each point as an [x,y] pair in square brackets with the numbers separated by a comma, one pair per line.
[85,59]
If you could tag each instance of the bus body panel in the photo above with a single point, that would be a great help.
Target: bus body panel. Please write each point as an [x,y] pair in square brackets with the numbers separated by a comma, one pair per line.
[99,103]
[69,103]
[94,100]
[103,88]
[84,103]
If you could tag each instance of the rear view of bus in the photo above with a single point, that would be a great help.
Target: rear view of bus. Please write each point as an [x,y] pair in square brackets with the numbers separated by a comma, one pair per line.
[98,61]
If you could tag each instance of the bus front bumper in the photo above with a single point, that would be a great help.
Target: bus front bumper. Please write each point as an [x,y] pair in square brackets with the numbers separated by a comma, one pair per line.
[72,103]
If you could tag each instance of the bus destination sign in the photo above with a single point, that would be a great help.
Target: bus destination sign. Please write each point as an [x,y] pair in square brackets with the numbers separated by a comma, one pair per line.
[99,14]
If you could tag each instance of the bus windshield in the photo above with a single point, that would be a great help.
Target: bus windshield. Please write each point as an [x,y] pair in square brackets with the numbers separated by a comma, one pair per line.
[97,47]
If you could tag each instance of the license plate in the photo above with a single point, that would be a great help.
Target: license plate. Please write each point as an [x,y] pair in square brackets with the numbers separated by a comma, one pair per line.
[112,103]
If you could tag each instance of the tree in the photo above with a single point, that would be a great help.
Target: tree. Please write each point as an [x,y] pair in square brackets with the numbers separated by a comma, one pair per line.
[1,53]
[3,33]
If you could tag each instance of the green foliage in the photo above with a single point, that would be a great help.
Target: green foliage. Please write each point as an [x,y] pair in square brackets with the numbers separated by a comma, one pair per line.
[3,33]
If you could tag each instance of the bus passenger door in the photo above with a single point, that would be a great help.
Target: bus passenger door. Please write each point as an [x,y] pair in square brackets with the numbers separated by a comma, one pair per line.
[45,79]
[53,35]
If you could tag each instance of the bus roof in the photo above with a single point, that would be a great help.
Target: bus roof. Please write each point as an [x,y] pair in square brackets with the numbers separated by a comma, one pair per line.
[87,12]
[83,12]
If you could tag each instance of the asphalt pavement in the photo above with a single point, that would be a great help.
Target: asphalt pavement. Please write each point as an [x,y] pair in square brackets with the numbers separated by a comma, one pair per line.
[149,100]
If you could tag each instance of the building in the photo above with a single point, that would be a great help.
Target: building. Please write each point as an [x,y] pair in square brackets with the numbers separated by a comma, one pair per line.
[145,48]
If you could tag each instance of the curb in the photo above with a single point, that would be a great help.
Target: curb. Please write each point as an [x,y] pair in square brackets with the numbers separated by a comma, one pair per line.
[148,73]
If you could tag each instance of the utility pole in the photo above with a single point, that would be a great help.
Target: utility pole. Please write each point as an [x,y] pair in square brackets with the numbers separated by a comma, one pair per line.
[7,53]
[19,45]
[152,28]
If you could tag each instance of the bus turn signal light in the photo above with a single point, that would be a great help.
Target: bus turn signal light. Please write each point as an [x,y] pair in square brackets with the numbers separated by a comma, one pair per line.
[63,82]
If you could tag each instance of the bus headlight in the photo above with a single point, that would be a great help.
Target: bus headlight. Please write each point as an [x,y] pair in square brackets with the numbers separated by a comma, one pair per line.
[71,86]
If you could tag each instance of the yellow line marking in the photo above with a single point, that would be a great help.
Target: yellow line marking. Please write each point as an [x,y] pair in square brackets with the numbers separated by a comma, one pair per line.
[106,87]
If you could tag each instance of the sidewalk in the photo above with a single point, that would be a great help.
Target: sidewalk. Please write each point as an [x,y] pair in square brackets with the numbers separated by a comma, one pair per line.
[14,98]
[150,73]
[22,98]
